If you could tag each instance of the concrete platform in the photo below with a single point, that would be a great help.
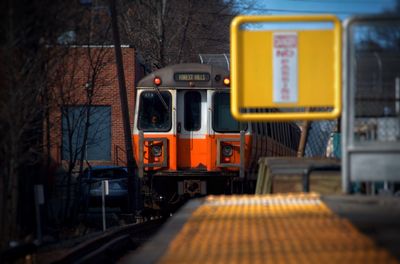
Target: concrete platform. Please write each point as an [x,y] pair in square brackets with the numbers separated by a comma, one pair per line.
[287,228]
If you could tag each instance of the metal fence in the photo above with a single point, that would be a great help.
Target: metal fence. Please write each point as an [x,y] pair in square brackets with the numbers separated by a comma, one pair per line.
[377,97]
[322,140]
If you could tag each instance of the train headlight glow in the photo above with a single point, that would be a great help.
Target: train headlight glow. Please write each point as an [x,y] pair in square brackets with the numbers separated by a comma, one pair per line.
[227,81]
[227,150]
[156,150]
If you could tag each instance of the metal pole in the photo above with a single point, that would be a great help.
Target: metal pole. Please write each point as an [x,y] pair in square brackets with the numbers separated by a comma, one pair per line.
[133,181]
[103,204]
[397,87]
[303,139]
[38,223]
[39,199]
[242,154]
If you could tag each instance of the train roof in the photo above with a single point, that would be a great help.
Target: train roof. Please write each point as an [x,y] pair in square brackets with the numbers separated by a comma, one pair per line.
[181,76]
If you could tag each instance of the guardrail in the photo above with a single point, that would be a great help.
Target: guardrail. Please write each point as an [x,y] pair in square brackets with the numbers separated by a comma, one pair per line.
[270,168]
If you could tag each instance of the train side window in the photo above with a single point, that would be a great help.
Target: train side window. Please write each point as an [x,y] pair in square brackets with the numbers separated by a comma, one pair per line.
[292,139]
[153,114]
[277,132]
[273,128]
[259,128]
[289,136]
[254,127]
[285,134]
[192,114]
[293,135]
[280,131]
[269,129]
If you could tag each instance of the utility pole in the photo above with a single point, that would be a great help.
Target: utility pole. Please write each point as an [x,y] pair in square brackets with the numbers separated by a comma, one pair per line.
[133,180]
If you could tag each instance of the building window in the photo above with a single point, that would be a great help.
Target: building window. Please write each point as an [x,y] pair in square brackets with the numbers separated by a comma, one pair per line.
[98,123]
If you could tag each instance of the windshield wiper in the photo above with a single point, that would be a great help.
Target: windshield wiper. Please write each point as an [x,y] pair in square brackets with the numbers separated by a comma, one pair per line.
[161,98]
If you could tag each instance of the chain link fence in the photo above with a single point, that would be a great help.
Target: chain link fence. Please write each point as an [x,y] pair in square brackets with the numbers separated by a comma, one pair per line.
[323,140]
[377,107]
[221,60]
[377,97]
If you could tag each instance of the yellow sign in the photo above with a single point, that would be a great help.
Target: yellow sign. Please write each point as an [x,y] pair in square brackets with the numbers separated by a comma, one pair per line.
[290,70]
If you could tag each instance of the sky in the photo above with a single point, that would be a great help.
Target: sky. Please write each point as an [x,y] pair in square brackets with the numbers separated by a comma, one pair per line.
[341,8]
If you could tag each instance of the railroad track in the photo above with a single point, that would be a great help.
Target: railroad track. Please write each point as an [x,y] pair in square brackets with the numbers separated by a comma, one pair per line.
[110,246]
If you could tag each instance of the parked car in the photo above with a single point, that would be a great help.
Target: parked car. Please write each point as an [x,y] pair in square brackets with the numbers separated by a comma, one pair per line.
[91,186]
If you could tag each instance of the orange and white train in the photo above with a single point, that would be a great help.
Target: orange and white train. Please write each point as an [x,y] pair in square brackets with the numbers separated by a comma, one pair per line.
[186,141]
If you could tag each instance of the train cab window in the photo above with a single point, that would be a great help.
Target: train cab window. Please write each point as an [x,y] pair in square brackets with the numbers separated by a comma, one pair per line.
[222,118]
[192,114]
[154,113]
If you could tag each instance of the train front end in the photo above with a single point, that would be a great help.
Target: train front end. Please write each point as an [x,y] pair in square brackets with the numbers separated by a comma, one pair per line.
[186,141]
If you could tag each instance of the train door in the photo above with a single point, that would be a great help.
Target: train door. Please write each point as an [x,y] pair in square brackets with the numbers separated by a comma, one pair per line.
[192,145]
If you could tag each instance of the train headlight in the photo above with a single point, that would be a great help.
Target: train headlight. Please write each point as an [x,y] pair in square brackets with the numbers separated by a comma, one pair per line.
[227,150]
[156,150]
[157,81]
[227,81]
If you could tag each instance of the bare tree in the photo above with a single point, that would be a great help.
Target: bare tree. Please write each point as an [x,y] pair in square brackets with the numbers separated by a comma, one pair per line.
[77,80]
[381,36]
[27,30]
[173,31]
[23,77]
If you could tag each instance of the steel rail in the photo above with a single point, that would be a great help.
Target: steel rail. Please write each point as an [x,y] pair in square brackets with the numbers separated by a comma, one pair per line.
[111,245]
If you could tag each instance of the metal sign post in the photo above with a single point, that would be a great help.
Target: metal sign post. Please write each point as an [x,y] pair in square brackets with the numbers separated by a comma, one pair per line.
[104,192]
[39,200]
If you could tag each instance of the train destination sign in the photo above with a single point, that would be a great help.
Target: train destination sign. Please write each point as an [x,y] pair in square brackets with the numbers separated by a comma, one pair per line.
[291,64]
[186,76]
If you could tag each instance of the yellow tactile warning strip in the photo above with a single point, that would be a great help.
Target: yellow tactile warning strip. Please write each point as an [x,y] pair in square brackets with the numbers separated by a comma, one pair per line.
[294,228]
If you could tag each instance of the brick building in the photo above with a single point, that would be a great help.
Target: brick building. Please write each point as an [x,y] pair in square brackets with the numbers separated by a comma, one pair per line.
[86,97]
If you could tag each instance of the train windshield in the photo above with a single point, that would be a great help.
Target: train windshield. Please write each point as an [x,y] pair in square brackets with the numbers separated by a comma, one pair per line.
[222,119]
[154,114]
